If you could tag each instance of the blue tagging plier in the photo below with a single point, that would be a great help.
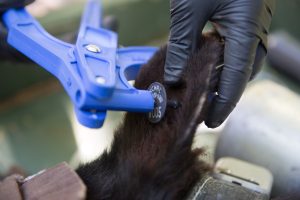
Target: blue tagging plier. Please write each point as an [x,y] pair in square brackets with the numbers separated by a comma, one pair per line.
[94,72]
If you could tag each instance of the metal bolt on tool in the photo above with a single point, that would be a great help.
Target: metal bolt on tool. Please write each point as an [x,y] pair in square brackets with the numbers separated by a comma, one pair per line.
[93,48]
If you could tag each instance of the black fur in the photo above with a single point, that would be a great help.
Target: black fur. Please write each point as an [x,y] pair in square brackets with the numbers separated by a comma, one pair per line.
[156,161]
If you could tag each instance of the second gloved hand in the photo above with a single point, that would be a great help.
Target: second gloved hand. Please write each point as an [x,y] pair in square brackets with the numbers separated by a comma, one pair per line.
[244,24]
[7,4]
[7,52]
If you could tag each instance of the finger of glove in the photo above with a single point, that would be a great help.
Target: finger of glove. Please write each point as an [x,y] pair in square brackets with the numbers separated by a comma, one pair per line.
[265,20]
[184,31]
[238,61]
[7,4]
[261,53]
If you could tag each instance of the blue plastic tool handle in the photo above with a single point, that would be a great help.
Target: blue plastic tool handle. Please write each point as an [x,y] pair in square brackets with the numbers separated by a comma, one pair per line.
[94,72]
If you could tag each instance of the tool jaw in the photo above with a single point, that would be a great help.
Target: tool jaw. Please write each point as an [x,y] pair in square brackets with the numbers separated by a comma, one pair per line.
[94,72]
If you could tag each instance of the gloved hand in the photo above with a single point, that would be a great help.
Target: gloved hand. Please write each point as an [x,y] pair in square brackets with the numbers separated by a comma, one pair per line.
[6,51]
[244,24]
[7,4]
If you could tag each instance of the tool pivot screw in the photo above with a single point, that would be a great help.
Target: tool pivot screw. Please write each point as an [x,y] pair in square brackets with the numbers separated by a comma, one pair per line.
[100,80]
[93,48]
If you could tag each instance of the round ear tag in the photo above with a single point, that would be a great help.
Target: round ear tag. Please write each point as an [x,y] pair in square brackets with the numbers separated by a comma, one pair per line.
[160,102]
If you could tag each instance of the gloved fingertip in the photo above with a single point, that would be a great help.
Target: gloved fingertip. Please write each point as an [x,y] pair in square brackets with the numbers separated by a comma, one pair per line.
[218,113]
[212,124]
[172,81]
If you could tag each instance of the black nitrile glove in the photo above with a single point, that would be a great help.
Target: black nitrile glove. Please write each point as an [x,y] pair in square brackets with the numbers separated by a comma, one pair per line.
[7,52]
[244,24]
[7,4]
